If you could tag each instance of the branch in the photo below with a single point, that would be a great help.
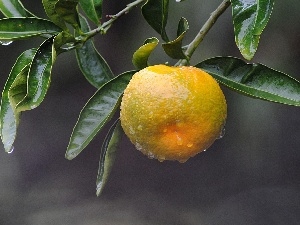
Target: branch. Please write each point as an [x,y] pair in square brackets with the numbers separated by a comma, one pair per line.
[106,25]
[204,30]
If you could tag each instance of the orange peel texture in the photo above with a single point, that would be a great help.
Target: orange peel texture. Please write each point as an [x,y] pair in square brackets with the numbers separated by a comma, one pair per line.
[173,113]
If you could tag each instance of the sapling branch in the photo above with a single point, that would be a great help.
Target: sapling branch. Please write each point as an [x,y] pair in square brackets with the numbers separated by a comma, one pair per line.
[190,49]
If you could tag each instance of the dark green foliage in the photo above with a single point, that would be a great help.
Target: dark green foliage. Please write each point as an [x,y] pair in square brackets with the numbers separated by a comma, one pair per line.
[250,19]
[254,80]
[96,113]
[174,48]
[93,66]
[108,155]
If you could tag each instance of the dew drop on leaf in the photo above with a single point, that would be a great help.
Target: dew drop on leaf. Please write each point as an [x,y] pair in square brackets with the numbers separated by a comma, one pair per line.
[6,42]
[11,150]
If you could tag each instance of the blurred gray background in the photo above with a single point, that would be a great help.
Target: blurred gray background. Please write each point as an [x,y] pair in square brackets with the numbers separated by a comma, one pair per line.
[251,176]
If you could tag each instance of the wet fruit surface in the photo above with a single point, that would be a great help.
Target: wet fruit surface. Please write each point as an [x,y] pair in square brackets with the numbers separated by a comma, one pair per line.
[173,113]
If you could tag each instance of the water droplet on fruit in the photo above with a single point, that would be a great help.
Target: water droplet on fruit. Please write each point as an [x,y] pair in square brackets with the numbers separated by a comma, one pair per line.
[150,115]
[222,133]
[161,159]
[150,155]
[179,140]
[138,147]
[189,145]
[131,130]
[182,160]
[140,127]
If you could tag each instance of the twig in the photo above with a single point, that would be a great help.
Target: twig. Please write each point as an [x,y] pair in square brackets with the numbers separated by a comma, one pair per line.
[204,30]
[106,25]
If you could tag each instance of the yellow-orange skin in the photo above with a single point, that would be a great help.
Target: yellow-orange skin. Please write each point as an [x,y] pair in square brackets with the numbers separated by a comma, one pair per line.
[172,113]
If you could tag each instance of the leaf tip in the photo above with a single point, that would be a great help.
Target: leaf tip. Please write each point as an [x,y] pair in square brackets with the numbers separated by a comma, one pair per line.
[10,149]
[99,189]
[69,155]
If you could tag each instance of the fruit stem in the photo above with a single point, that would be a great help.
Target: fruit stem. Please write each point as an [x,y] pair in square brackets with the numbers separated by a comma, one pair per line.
[203,31]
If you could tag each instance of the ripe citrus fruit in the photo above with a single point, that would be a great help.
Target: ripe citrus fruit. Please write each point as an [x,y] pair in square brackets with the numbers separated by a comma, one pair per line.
[172,113]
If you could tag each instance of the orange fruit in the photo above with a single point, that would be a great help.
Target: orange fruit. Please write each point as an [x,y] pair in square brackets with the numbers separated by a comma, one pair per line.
[173,113]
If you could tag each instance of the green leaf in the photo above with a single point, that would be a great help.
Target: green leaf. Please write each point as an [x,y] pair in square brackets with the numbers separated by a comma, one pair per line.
[49,7]
[91,63]
[18,89]
[67,10]
[254,80]
[155,13]
[249,19]
[38,79]
[93,9]
[96,113]
[108,155]
[11,94]
[140,56]
[21,28]
[13,8]
[174,48]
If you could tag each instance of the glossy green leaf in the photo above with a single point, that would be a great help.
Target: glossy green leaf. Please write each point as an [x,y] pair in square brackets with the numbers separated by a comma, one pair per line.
[155,13]
[18,89]
[21,28]
[140,56]
[9,118]
[13,8]
[108,155]
[49,7]
[16,93]
[92,9]
[250,18]
[38,79]
[96,113]
[174,48]
[91,63]
[67,10]
[254,80]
